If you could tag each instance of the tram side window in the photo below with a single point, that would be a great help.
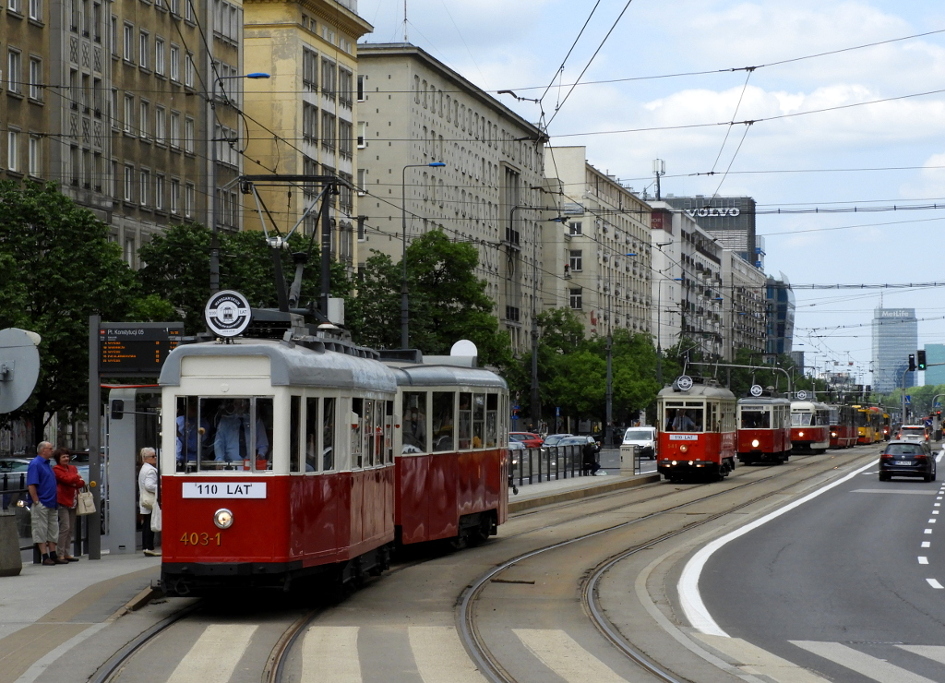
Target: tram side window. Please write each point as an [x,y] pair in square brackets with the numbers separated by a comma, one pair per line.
[388,432]
[443,421]
[465,420]
[479,419]
[357,410]
[311,434]
[415,422]
[492,407]
[367,433]
[295,426]
[328,435]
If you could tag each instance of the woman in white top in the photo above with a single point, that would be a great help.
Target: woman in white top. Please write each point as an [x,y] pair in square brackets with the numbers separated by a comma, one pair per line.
[147,495]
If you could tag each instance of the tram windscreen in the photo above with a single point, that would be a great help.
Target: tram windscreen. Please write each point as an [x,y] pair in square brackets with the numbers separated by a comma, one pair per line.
[802,419]
[684,419]
[756,419]
[223,434]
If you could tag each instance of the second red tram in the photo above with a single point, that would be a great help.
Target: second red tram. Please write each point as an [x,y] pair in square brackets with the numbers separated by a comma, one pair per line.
[810,426]
[764,430]
[843,432]
[697,435]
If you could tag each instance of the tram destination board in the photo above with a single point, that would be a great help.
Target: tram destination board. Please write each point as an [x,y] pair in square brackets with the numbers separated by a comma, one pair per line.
[136,349]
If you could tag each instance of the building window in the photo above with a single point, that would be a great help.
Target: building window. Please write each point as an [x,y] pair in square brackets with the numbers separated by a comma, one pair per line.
[574,260]
[129,43]
[129,183]
[143,119]
[189,135]
[159,56]
[129,253]
[129,121]
[575,227]
[175,129]
[175,195]
[361,80]
[574,298]
[362,134]
[190,199]
[309,122]
[160,123]
[13,6]
[143,49]
[345,138]
[189,68]
[113,179]
[113,35]
[13,71]
[345,81]
[13,150]
[328,78]
[143,187]
[328,131]
[175,7]
[36,78]
[309,70]
[35,156]
[175,63]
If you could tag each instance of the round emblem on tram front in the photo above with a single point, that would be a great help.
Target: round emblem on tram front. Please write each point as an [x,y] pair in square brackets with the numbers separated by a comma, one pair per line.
[684,382]
[802,395]
[756,390]
[227,313]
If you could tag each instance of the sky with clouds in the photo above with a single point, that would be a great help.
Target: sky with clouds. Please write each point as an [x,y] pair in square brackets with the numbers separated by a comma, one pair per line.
[847,100]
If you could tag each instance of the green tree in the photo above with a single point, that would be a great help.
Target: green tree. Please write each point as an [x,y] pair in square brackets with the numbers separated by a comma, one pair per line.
[177,269]
[373,312]
[58,268]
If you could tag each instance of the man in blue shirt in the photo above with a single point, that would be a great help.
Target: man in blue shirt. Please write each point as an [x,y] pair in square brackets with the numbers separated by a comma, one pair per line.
[41,482]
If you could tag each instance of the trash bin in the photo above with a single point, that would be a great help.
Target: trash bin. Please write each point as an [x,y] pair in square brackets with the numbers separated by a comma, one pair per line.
[11,563]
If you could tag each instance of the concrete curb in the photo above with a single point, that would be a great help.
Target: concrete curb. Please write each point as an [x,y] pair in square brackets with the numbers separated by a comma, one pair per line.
[142,598]
[584,492]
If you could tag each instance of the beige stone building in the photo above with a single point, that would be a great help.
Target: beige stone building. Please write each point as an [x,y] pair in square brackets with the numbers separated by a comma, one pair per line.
[302,120]
[599,262]
[110,100]
[416,111]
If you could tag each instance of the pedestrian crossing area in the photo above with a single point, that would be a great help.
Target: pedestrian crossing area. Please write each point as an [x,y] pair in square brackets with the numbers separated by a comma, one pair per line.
[435,654]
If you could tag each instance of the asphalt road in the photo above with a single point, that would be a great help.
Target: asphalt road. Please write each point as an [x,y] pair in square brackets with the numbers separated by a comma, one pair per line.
[849,584]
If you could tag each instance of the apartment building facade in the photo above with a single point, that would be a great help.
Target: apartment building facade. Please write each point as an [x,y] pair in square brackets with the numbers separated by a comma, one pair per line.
[416,111]
[598,262]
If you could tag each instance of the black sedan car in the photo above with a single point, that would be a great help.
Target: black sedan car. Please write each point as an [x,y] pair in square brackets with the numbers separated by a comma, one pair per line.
[907,459]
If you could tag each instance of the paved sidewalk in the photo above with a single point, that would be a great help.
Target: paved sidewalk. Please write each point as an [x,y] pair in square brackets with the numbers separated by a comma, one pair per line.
[574,488]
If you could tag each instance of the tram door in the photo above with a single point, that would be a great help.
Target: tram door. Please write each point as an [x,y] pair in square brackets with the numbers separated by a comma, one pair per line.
[133,423]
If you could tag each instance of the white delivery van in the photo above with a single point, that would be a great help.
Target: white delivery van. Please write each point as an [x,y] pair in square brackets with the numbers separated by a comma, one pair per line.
[644,437]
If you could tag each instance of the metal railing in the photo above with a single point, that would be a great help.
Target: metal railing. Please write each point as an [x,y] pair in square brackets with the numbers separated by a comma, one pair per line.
[535,465]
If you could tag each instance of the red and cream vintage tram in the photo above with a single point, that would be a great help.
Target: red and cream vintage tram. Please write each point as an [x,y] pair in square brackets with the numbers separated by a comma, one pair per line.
[810,426]
[843,432]
[764,429]
[285,462]
[697,435]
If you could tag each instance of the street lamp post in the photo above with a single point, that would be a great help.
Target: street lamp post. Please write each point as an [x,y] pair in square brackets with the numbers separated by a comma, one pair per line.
[404,303]
[659,331]
[212,213]
[609,393]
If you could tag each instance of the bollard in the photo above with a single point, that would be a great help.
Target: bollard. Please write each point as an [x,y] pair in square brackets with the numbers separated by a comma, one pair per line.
[11,563]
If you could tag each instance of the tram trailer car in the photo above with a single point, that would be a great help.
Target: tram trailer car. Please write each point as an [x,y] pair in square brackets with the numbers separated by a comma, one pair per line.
[764,430]
[452,457]
[810,426]
[843,432]
[316,494]
[697,436]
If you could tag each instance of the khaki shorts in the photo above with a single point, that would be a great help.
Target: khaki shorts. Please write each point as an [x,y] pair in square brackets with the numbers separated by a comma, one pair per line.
[45,524]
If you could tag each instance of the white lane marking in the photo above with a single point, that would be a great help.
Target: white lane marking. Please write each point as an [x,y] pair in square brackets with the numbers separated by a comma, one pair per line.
[895,491]
[935,512]
[923,559]
[935,584]
[926,544]
[693,606]
[565,657]
[330,655]
[753,659]
[927,531]
[931,521]
[934,652]
[440,655]
[213,658]
[865,665]
[937,505]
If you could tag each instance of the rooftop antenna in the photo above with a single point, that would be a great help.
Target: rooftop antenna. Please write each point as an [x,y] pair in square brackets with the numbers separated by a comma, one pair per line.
[405,22]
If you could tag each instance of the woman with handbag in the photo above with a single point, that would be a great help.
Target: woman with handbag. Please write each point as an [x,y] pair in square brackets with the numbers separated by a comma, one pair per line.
[68,482]
[147,498]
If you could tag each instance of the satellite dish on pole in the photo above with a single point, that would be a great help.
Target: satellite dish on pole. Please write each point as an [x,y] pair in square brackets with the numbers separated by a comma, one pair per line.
[19,367]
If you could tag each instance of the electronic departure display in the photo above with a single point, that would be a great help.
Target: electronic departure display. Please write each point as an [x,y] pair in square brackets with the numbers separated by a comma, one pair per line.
[136,349]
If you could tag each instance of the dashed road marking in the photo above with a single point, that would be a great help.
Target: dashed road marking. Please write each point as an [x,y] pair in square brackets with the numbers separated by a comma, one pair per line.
[923,559]
[864,664]
[935,584]
[204,662]
[564,656]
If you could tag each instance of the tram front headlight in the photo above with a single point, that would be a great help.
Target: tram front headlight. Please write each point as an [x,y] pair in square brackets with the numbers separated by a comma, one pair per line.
[755,443]
[223,518]
[684,448]
[800,433]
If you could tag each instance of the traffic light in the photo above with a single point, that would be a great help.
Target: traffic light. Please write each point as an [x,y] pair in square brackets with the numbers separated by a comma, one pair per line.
[920,359]
[911,362]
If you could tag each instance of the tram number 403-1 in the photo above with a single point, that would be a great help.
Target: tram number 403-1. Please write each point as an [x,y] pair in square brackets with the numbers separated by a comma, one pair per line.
[195,538]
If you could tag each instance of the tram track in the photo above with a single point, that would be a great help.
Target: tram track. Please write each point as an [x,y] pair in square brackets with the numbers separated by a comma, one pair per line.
[491,664]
